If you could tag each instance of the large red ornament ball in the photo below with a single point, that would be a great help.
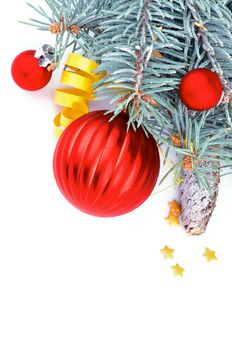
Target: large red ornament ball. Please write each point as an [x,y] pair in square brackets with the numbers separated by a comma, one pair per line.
[102,169]
[200,89]
[27,73]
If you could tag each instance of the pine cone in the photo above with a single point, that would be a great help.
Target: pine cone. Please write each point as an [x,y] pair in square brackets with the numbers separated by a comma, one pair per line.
[196,202]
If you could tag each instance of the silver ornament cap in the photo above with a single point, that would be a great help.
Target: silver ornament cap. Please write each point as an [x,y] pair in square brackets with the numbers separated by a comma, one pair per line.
[45,55]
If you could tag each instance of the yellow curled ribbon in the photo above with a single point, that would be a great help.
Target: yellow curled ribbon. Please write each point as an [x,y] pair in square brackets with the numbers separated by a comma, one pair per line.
[79,74]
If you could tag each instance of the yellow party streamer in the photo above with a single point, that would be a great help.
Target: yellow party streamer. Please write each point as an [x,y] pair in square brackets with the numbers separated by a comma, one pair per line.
[79,75]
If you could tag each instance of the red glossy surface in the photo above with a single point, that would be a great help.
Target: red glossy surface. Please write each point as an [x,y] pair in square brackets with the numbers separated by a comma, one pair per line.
[200,89]
[27,73]
[101,168]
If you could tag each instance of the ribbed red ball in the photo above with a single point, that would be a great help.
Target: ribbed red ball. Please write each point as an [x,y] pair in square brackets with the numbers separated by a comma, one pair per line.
[200,89]
[101,168]
[27,73]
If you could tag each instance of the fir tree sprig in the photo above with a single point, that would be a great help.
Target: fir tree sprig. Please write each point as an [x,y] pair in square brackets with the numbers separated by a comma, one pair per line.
[146,47]
[74,23]
[138,77]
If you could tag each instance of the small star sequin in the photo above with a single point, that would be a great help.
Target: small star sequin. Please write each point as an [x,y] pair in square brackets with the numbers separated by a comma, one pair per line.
[174,213]
[172,219]
[209,255]
[177,270]
[175,207]
[167,252]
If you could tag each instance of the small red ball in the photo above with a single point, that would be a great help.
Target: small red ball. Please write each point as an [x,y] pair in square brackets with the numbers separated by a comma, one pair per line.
[103,169]
[200,89]
[27,73]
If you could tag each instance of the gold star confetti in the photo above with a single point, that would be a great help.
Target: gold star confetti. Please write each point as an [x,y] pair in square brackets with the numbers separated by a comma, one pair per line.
[167,252]
[174,213]
[172,219]
[209,254]
[177,270]
[175,207]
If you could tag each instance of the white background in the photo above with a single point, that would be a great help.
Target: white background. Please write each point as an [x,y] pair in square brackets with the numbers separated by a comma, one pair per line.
[70,281]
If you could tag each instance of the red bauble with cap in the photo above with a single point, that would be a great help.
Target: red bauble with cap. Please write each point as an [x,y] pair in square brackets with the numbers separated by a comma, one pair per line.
[102,168]
[200,89]
[27,72]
